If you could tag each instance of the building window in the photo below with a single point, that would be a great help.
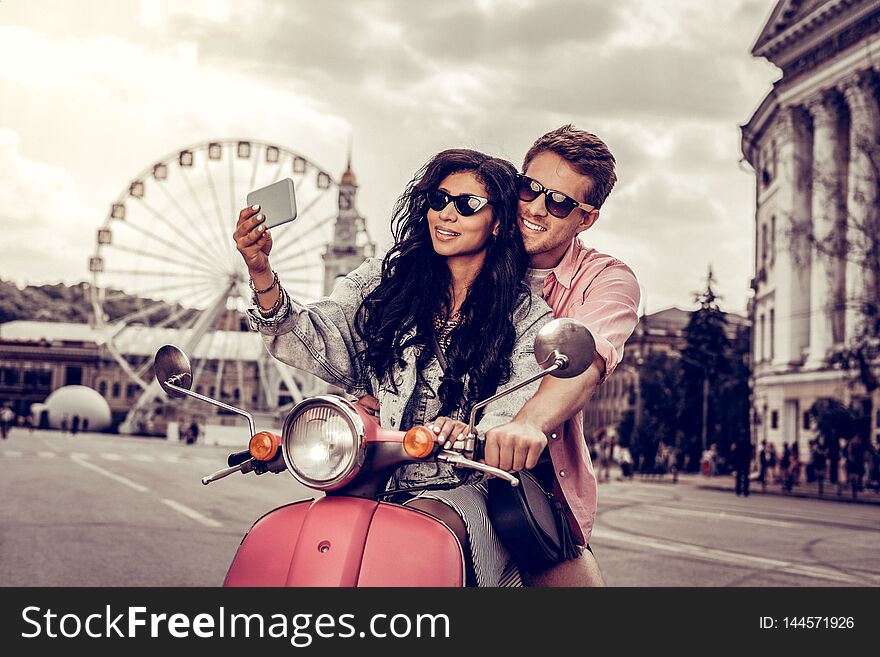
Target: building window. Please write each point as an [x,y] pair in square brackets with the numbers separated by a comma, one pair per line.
[73,376]
[116,390]
[772,332]
[806,423]
[760,354]
[774,419]
[8,376]
[772,239]
[102,388]
[774,158]
[131,390]
[764,248]
[37,379]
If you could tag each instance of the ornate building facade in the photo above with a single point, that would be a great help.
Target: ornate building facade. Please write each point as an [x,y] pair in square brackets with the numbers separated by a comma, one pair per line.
[813,143]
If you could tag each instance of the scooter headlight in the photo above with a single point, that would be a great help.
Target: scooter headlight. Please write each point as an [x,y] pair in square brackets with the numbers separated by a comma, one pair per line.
[323,442]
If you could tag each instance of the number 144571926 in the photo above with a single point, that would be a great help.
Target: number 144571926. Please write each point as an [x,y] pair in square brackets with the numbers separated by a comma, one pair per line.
[818,622]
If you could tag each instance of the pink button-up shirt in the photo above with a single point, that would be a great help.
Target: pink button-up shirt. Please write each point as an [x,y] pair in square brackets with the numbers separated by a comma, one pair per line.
[603,293]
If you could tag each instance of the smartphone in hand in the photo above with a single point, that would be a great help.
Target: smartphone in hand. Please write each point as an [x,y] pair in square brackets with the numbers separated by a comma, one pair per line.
[277,202]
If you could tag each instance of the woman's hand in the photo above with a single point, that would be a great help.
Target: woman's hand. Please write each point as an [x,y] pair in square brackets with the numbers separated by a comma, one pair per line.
[448,431]
[369,404]
[253,241]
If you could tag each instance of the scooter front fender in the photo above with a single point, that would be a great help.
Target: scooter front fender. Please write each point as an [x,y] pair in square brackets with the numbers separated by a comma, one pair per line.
[341,541]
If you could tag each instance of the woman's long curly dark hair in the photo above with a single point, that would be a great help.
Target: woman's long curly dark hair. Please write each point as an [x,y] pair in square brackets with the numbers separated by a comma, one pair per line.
[415,287]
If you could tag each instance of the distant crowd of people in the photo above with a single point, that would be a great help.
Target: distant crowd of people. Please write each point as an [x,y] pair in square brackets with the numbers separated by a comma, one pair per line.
[844,464]
[606,452]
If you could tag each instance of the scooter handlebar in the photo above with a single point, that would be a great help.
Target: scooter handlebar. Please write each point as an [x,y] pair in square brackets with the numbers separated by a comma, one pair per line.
[238,458]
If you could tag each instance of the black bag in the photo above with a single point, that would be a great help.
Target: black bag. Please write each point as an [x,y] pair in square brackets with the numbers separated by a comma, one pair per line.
[530,522]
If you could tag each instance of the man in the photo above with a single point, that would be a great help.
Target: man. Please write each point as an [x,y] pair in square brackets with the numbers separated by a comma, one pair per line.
[741,459]
[568,174]
[7,416]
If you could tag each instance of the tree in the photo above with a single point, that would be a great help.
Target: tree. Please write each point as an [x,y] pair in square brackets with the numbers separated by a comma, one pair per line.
[834,422]
[717,395]
[671,389]
[661,383]
[626,428]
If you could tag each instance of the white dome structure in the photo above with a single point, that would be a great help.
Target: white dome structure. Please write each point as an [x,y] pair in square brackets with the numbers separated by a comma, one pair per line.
[81,401]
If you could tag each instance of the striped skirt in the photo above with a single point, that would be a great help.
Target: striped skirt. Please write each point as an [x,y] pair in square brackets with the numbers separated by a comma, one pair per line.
[493,566]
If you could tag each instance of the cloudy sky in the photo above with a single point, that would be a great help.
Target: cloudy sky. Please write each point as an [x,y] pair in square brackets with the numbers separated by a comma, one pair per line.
[94,91]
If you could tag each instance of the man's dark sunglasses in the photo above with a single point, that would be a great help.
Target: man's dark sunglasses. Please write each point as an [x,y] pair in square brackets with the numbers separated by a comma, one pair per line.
[558,204]
[465,204]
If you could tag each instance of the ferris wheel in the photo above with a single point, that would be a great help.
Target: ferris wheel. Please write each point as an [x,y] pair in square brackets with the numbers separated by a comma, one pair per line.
[165,268]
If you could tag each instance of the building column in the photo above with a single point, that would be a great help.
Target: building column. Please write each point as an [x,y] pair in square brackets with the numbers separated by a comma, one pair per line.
[863,226]
[794,222]
[826,282]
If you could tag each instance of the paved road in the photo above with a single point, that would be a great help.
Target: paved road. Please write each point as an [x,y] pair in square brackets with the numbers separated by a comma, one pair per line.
[102,510]
[664,534]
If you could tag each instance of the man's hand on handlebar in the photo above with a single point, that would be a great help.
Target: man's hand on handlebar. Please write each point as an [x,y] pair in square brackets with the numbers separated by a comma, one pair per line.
[514,446]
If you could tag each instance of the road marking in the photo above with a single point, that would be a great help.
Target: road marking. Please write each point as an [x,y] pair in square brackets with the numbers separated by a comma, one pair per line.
[170,458]
[192,513]
[11,452]
[107,456]
[721,515]
[54,448]
[46,455]
[810,515]
[143,457]
[734,558]
[80,459]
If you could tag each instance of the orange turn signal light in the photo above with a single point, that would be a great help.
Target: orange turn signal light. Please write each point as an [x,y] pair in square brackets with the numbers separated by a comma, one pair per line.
[418,442]
[263,446]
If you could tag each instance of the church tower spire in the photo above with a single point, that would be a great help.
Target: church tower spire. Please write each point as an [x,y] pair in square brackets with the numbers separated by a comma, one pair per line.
[343,254]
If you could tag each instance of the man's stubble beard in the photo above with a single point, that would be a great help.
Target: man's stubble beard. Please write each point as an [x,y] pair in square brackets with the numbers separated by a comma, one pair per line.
[544,243]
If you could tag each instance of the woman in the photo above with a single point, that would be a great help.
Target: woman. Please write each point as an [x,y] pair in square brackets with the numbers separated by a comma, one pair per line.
[785,467]
[454,274]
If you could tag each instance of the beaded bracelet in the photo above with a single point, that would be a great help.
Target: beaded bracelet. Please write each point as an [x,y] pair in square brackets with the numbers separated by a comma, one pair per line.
[274,283]
[275,306]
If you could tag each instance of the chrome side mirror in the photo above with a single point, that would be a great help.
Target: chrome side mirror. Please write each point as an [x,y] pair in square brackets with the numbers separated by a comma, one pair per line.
[174,374]
[564,348]
[172,367]
[567,342]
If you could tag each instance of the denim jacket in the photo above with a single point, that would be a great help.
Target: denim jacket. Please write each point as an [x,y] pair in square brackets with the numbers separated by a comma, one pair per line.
[320,338]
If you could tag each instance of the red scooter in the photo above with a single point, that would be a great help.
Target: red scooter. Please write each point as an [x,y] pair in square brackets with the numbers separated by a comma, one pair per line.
[350,537]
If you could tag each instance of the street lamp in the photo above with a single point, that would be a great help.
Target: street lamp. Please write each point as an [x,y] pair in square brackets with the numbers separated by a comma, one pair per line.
[702,366]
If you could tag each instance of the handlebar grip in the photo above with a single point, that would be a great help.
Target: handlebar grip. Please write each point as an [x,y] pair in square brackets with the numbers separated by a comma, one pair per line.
[238,458]
[479,449]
